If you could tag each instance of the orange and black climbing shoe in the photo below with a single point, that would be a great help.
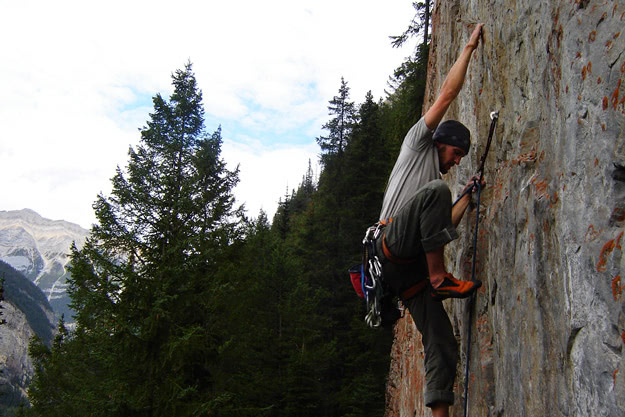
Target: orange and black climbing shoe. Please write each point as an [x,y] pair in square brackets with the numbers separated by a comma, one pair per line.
[453,288]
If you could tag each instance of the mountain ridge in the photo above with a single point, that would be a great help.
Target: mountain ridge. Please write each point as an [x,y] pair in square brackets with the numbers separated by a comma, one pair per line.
[39,249]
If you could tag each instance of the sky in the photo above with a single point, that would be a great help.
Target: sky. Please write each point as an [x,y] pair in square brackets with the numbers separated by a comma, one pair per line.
[77,80]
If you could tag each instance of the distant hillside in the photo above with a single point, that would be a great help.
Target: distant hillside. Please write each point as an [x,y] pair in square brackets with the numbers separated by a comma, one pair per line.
[27,313]
[29,299]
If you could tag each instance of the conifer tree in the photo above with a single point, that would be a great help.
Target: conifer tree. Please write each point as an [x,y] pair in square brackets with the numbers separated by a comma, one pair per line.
[366,168]
[50,387]
[332,184]
[148,283]
[340,126]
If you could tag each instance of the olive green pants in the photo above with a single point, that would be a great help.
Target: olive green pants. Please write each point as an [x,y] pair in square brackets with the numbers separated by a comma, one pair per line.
[422,225]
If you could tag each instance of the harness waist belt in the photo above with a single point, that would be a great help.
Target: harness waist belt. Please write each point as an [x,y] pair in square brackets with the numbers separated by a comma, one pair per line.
[392,258]
[414,290]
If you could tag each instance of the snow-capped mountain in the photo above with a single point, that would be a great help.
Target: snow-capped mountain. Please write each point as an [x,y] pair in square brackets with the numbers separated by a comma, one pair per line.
[39,249]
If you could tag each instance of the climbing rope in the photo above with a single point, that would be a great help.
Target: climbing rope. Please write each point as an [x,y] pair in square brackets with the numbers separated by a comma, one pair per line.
[471,300]
[476,183]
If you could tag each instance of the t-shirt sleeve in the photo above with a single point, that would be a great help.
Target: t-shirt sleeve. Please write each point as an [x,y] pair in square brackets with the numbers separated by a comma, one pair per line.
[419,137]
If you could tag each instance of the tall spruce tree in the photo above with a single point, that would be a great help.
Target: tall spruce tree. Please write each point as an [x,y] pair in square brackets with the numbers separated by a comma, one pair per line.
[366,165]
[340,126]
[148,283]
[332,184]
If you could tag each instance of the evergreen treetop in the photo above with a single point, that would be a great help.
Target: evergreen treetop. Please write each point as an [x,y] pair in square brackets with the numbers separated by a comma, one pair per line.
[340,126]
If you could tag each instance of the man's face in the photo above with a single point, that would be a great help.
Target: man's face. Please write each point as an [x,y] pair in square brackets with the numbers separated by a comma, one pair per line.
[448,156]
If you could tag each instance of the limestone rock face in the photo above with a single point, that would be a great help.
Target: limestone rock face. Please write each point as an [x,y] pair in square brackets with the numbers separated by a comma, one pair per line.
[548,326]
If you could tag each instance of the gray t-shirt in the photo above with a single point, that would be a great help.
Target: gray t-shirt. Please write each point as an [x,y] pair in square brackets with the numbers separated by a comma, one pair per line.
[416,165]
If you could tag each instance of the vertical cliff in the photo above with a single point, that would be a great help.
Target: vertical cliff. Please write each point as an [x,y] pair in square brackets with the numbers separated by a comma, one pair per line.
[549,322]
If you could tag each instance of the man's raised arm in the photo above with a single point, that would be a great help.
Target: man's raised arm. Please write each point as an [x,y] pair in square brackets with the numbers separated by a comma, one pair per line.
[453,82]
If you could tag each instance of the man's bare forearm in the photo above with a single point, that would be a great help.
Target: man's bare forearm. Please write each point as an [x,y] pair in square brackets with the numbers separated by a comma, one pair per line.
[455,78]
[457,211]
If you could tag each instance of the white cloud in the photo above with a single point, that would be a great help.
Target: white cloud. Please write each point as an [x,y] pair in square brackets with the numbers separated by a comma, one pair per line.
[267,174]
[77,78]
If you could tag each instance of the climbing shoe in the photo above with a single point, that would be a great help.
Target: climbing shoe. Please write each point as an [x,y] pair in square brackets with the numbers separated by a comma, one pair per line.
[453,288]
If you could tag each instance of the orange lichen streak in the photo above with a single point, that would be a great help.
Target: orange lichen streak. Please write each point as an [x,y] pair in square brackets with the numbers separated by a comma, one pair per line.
[617,288]
[606,250]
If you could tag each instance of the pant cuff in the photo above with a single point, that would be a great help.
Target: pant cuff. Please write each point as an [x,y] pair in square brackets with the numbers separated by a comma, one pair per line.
[439,239]
[433,397]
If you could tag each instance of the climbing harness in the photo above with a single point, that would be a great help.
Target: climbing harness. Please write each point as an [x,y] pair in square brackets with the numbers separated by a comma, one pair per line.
[476,183]
[383,307]
[367,278]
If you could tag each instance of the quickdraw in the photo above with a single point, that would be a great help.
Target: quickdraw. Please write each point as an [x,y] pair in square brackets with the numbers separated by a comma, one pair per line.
[494,117]
[372,277]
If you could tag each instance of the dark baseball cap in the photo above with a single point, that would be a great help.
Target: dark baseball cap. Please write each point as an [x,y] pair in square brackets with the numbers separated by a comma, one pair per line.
[454,133]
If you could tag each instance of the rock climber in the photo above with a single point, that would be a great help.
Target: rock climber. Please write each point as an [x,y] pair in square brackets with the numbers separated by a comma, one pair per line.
[420,221]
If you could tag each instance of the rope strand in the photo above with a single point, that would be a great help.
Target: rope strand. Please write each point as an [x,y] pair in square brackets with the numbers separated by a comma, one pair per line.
[471,301]
[477,183]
